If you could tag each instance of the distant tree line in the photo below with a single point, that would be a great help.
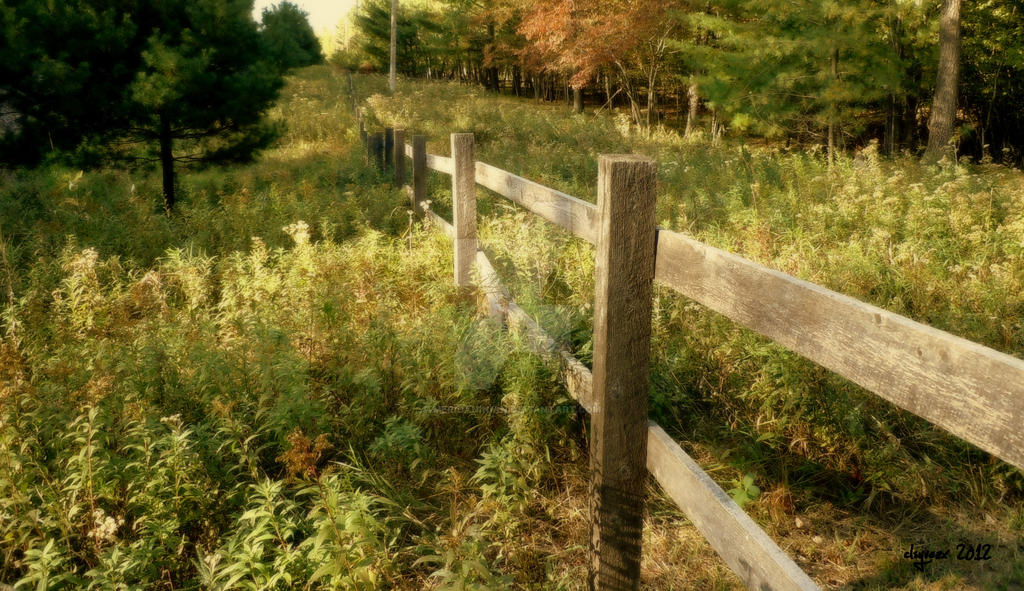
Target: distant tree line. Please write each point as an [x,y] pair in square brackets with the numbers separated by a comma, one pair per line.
[914,75]
[134,81]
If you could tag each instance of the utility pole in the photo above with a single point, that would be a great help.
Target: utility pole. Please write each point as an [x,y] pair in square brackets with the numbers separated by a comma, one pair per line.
[394,43]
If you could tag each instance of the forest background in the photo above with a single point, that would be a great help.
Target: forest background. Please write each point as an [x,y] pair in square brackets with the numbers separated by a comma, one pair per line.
[835,74]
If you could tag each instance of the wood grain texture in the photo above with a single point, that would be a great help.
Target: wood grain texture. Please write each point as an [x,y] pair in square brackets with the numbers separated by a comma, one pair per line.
[376,150]
[623,278]
[970,390]
[463,207]
[419,172]
[439,163]
[389,147]
[575,215]
[496,297]
[749,552]
[399,157]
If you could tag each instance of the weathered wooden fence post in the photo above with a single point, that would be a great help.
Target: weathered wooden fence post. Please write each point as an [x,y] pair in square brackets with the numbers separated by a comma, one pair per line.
[371,150]
[464,206]
[399,157]
[377,149]
[352,90]
[389,147]
[419,172]
[623,280]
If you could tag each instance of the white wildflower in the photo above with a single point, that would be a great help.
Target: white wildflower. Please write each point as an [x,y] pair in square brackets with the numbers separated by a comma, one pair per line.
[299,231]
[104,526]
[173,420]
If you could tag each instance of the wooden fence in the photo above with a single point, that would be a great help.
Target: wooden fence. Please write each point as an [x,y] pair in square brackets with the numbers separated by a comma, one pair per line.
[970,390]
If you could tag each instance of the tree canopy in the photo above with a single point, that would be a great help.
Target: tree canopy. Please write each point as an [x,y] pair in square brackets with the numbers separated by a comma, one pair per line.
[290,39]
[179,81]
[838,74]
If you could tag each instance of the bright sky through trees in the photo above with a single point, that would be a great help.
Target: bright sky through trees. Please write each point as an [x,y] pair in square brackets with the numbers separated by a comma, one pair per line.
[323,14]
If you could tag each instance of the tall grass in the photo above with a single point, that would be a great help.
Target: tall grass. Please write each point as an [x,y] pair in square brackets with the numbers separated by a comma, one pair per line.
[278,387]
[265,390]
[941,244]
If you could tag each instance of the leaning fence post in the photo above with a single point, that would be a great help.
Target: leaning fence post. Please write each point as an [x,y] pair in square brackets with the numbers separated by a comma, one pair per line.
[352,90]
[399,157]
[389,146]
[623,279]
[463,206]
[377,149]
[419,172]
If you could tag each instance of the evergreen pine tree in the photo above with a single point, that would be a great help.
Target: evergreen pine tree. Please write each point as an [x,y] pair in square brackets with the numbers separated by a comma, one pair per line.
[416,28]
[204,86]
[64,71]
[800,68]
[188,80]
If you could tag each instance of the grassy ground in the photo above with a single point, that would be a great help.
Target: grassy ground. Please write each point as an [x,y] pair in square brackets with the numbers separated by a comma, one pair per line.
[257,392]
[940,244]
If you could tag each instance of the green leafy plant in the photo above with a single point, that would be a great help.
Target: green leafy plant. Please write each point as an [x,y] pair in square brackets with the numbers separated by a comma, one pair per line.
[744,490]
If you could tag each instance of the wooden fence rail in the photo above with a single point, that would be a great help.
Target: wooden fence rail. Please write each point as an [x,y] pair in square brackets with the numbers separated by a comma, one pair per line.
[970,390]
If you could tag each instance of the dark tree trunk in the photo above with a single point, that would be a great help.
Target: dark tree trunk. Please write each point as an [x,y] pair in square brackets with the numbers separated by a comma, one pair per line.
[491,73]
[910,124]
[651,97]
[943,116]
[167,161]
[517,81]
[577,100]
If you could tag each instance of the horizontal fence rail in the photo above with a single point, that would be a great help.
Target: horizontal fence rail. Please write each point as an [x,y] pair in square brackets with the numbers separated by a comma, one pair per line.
[972,391]
[575,215]
[440,163]
[968,389]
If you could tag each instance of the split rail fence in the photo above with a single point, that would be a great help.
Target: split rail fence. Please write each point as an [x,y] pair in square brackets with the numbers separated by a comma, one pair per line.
[968,389]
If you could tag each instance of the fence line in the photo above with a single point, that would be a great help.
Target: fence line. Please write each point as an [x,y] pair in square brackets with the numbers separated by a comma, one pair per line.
[742,544]
[971,390]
